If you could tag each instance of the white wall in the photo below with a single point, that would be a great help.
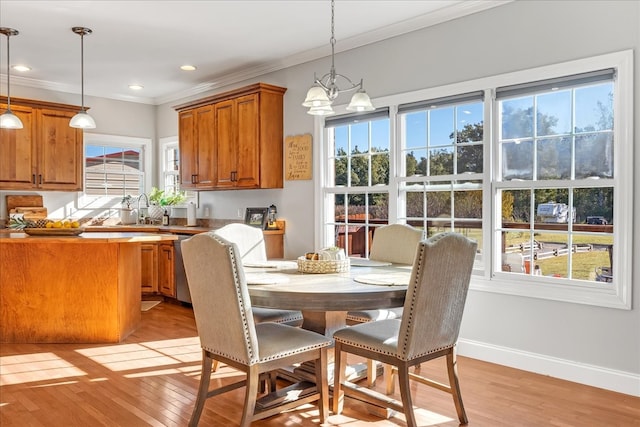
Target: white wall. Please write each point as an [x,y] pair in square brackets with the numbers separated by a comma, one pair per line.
[582,343]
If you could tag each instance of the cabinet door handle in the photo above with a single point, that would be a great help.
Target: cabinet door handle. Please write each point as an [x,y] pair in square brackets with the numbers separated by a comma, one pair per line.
[193,179]
[40,178]
[234,176]
[33,178]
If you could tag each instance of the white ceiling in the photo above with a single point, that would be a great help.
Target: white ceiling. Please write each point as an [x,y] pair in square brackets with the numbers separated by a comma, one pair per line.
[145,42]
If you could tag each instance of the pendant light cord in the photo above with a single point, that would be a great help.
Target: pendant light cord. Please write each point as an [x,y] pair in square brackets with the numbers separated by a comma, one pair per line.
[82,70]
[8,77]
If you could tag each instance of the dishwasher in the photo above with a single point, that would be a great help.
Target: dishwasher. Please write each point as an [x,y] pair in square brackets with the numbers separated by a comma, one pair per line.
[182,289]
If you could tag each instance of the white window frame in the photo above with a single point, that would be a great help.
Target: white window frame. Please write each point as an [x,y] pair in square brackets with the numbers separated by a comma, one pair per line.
[144,144]
[169,143]
[618,293]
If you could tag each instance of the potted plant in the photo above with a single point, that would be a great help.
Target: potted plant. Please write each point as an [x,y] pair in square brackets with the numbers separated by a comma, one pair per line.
[127,216]
[159,200]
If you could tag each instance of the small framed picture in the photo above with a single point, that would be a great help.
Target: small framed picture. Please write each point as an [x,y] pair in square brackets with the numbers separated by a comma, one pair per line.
[256,217]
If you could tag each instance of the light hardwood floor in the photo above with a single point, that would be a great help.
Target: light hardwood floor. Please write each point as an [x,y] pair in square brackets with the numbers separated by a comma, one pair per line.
[152,377]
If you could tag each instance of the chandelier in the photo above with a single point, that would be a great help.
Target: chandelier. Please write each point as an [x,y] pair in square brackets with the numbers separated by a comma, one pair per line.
[325,89]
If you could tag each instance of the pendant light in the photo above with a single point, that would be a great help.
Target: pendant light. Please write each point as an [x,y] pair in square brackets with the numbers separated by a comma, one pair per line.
[8,120]
[82,120]
[325,89]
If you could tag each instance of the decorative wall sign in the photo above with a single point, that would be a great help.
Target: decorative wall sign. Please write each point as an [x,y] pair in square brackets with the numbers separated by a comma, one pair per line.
[298,157]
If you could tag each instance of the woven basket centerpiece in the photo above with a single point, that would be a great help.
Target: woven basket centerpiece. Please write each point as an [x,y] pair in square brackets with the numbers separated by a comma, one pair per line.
[319,266]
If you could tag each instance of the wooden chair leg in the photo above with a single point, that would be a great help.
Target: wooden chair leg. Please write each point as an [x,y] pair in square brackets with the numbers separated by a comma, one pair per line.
[253,382]
[405,395]
[323,388]
[452,369]
[372,373]
[203,389]
[389,372]
[340,360]
[215,365]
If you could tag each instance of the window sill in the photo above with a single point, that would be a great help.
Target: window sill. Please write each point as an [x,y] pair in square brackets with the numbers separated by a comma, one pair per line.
[610,295]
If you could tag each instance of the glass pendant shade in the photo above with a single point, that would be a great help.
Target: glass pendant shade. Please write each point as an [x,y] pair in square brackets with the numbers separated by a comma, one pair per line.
[316,97]
[321,111]
[360,102]
[8,120]
[82,120]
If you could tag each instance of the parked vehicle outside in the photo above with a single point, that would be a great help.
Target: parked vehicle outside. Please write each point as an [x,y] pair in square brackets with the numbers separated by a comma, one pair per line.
[600,220]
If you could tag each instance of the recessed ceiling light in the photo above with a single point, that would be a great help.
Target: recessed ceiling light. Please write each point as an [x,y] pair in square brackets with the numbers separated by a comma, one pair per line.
[136,87]
[21,68]
[188,67]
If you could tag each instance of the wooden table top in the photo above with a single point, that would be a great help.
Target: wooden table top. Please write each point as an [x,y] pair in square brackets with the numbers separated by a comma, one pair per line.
[325,292]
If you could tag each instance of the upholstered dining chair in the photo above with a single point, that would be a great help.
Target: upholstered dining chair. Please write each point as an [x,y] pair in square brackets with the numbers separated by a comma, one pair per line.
[394,243]
[397,244]
[228,333]
[428,328]
[250,241]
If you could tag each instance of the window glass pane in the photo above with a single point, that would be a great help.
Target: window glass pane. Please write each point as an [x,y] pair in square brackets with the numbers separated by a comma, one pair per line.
[594,108]
[415,129]
[553,113]
[416,162]
[359,134]
[341,140]
[470,118]
[516,206]
[470,158]
[553,158]
[441,127]
[359,172]
[441,161]
[517,160]
[594,155]
[438,204]
[517,118]
[594,205]
[380,169]
[341,165]
[467,204]
[380,135]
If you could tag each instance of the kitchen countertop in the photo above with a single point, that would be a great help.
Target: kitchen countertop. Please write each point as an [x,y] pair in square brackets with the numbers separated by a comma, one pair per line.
[89,237]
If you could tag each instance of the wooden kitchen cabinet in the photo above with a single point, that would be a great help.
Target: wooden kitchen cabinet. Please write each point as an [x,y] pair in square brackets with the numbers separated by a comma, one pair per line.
[166,278]
[149,268]
[157,264]
[197,156]
[46,154]
[247,139]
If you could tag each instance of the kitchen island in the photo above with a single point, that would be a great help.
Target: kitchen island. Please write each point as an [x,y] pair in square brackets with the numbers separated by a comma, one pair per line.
[71,289]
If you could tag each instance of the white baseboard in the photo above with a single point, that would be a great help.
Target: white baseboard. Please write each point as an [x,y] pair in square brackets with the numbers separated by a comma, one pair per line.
[609,379]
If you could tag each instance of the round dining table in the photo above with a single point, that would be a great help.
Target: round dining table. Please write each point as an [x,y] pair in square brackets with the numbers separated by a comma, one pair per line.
[325,299]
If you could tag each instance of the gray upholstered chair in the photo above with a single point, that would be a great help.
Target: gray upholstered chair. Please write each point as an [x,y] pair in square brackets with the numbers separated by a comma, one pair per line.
[250,241]
[397,244]
[394,243]
[428,328]
[228,333]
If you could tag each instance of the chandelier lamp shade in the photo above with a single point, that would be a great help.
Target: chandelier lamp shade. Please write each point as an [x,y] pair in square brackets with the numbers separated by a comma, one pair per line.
[82,120]
[326,89]
[8,120]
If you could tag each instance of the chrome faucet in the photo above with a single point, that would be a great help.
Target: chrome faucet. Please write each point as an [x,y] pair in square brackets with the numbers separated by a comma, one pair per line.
[140,215]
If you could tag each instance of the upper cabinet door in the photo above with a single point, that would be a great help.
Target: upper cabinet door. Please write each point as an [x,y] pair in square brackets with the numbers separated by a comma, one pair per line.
[61,158]
[225,143]
[18,155]
[197,157]
[248,142]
